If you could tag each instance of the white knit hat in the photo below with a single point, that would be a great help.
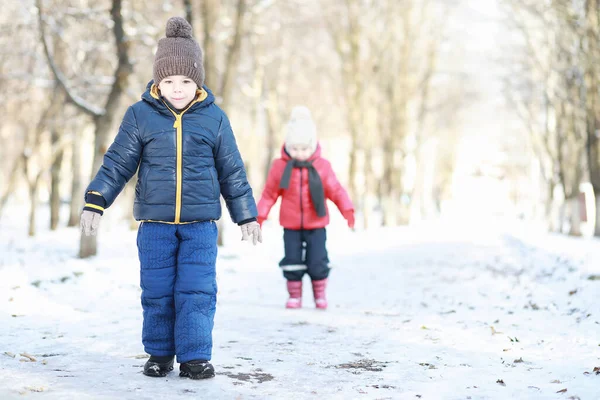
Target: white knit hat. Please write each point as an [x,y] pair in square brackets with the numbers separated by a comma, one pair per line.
[301,129]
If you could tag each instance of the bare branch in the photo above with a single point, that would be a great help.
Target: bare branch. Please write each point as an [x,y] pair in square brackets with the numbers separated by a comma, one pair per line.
[83,105]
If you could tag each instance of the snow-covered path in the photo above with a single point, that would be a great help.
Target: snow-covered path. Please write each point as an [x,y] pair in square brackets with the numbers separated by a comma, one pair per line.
[425,312]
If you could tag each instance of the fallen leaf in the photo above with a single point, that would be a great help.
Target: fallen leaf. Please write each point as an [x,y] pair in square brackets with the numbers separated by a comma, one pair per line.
[555,381]
[501,382]
[34,389]
[8,353]
[28,356]
[596,370]
[594,278]
[519,360]
[140,356]
[562,391]
[494,331]
[572,292]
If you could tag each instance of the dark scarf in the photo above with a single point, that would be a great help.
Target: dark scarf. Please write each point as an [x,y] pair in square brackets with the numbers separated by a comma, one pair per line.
[315,185]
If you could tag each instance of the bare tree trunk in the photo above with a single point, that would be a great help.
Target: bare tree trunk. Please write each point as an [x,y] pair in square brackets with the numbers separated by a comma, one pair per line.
[32,209]
[77,183]
[11,184]
[592,10]
[562,212]
[273,123]
[55,185]
[102,117]
[391,189]
[189,15]
[233,55]
[33,196]
[549,208]
[574,216]
[597,225]
[352,166]
[209,10]
[103,121]
[368,187]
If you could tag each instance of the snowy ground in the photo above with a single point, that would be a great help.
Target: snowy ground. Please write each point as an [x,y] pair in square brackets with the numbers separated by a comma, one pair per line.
[486,311]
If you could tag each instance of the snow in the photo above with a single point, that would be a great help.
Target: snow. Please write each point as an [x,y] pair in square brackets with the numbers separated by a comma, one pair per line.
[442,310]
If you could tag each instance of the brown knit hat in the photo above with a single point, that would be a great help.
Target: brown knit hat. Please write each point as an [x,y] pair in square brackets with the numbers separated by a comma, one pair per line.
[178,53]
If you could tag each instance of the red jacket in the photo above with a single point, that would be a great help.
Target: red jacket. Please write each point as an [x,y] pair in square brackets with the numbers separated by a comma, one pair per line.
[297,210]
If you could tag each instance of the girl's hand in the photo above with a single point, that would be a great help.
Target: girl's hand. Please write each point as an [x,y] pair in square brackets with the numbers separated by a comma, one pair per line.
[349,217]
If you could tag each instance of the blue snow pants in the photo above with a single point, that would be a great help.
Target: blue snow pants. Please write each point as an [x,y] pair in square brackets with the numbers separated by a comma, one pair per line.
[179,288]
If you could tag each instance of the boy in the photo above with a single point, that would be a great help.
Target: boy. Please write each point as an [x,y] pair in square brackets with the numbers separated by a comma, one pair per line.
[187,156]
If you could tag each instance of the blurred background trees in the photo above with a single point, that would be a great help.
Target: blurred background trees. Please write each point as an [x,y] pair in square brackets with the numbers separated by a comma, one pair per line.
[425,108]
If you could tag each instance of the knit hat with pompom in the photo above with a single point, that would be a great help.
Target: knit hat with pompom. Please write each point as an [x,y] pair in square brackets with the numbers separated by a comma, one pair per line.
[178,53]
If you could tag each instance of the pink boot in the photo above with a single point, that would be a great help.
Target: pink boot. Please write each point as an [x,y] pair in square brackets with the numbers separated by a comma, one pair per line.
[319,293]
[295,290]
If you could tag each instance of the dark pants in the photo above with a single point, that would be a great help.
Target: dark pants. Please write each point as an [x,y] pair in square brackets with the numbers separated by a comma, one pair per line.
[305,252]
[179,288]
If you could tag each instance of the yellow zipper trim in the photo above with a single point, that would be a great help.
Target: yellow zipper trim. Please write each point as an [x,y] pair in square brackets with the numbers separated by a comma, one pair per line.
[200,96]
[177,125]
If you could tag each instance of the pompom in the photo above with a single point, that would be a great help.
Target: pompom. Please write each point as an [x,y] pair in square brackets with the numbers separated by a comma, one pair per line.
[300,112]
[178,27]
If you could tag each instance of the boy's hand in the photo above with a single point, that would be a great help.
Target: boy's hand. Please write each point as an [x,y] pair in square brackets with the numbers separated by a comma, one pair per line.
[252,229]
[89,222]
[349,216]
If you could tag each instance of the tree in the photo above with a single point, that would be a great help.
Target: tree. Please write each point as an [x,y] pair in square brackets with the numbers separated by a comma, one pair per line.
[222,78]
[102,117]
[551,98]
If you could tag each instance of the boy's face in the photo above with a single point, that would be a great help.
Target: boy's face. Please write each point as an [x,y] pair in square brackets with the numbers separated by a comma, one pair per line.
[178,89]
[300,152]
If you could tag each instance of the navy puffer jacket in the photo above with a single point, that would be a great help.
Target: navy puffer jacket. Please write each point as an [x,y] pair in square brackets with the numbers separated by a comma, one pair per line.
[186,161]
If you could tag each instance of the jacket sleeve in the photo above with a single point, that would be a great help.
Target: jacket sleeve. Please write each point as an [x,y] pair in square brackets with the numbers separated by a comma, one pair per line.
[271,192]
[120,162]
[232,175]
[335,192]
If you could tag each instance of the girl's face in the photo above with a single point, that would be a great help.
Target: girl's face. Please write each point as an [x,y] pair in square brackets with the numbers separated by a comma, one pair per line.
[300,152]
[179,90]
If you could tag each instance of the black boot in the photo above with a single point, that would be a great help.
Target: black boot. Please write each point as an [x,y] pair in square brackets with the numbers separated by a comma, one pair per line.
[158,366]
[197,369]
